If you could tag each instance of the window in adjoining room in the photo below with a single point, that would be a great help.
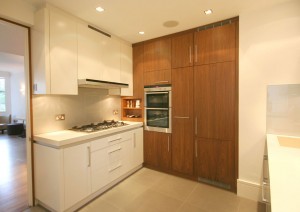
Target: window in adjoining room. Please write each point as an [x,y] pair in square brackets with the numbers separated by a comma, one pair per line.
[2,95]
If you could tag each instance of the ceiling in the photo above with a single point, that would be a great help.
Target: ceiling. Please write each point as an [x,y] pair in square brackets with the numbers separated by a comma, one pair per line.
[126,18]
[12,47]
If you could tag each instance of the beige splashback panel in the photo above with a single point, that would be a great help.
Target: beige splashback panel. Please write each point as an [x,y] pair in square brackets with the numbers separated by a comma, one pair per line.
[292,142]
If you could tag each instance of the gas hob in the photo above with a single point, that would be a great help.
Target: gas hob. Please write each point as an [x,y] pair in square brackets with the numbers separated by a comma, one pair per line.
[94,127]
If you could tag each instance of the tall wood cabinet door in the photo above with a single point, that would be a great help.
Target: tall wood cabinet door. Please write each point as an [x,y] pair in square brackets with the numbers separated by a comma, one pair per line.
[182,50]
[138,71]
[63,53]
[215,44]
[151,157]
[215,101]
[157,54]
[164,150]
[182,120]
[77,176]
[215,161]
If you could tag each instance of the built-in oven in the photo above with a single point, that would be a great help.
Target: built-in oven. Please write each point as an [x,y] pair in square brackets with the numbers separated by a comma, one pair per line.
[158,108]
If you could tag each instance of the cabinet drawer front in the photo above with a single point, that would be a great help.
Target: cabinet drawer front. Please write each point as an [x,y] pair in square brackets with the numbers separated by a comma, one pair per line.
[105,142]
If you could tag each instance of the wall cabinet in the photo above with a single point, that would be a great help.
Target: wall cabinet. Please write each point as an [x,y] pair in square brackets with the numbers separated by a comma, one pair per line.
[67,178]
[217,44]
[157,77]
[138,71]
[182,121]
[54,52]
[182,50]
[157,150]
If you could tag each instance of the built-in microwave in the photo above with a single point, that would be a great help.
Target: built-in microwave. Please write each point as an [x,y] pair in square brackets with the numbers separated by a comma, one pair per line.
[158,108]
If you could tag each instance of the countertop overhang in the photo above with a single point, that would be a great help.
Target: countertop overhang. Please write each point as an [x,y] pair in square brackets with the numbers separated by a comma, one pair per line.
[63,138]
[284,172]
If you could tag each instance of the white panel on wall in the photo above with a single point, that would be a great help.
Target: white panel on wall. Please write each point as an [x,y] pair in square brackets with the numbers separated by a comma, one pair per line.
[90,105]
[283,109]
[18,100]
[269,52]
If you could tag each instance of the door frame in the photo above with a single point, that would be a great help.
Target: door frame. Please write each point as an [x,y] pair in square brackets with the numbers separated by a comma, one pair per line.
[29,126]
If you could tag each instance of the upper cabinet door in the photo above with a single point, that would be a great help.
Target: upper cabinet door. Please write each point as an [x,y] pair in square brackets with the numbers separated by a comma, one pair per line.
[157,54]
[63,53]
[182,50]
[110,58]
[138,71]
[126,69]
[88,53]
[215,45]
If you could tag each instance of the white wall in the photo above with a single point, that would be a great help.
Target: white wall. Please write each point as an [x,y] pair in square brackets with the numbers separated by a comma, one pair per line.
[90,105]
[19,11]
[18,100]
[269,54]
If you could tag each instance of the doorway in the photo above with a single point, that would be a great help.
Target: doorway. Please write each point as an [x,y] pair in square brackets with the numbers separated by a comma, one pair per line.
[15,124]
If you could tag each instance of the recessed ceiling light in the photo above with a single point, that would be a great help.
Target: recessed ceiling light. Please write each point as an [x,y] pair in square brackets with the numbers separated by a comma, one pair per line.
[208,12]
[141,32]
[99,9]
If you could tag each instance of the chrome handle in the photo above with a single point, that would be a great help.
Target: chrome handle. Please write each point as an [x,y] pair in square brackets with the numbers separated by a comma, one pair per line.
[196,149]
[89,156]
[196,53]
[190,51]
[115,150]
[163,81]
[114,140]
[264,199]
[181,117]
[168,143]
[196,125]
[118,166]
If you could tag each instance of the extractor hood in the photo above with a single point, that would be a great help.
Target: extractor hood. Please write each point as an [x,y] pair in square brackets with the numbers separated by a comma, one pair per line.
[91,83]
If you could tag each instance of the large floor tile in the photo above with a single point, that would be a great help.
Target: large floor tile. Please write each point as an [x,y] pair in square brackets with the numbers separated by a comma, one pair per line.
[100,205]
[213,199]
[175,187]
[251,206]
[190,208]
[151,201]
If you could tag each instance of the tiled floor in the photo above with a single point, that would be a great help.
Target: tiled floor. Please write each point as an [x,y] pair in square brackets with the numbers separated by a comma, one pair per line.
[153,191]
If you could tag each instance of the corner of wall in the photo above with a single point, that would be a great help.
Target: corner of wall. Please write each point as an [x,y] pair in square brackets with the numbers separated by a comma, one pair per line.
[249,190]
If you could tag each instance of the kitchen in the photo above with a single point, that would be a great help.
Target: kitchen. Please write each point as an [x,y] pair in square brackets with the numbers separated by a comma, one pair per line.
[261,33]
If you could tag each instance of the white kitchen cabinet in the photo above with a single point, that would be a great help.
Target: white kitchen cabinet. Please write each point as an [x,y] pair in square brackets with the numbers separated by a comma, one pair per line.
[89,64]
[110,58]
[54,52]
[77,163]
[126,71]
[68,177]
[138,147]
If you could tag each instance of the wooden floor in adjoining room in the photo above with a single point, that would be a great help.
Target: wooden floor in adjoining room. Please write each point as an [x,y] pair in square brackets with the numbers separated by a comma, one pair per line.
[13,173]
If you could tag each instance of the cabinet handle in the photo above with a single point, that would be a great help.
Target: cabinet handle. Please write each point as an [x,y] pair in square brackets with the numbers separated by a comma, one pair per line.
[196,125]
[168,143]
[196,53]
[264,199]
[163,81]
[89,156]
[115,150]
[190,49]
[118,166]
[114,140]
[181,117]
[196,149]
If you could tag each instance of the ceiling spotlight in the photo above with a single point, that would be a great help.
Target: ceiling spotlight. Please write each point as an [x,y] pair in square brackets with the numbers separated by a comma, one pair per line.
[208,12]
[99,9]
[141,32]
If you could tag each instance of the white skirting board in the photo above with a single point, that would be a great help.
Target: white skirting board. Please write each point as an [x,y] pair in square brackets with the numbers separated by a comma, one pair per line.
[249,190]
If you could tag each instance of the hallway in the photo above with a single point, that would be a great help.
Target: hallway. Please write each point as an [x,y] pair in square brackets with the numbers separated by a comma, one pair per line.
[13,173]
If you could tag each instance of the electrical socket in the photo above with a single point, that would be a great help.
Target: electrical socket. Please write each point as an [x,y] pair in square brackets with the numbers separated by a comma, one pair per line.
[115,112]
[60,117]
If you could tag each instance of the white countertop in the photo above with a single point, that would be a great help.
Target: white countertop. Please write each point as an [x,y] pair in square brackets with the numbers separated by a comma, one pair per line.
[66,137]
[284,172]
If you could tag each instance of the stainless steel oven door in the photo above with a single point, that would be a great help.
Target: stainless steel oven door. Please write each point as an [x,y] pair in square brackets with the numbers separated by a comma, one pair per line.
[158,119]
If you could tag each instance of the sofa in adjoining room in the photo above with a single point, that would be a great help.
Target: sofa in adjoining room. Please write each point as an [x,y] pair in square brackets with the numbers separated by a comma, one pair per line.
[4,120]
